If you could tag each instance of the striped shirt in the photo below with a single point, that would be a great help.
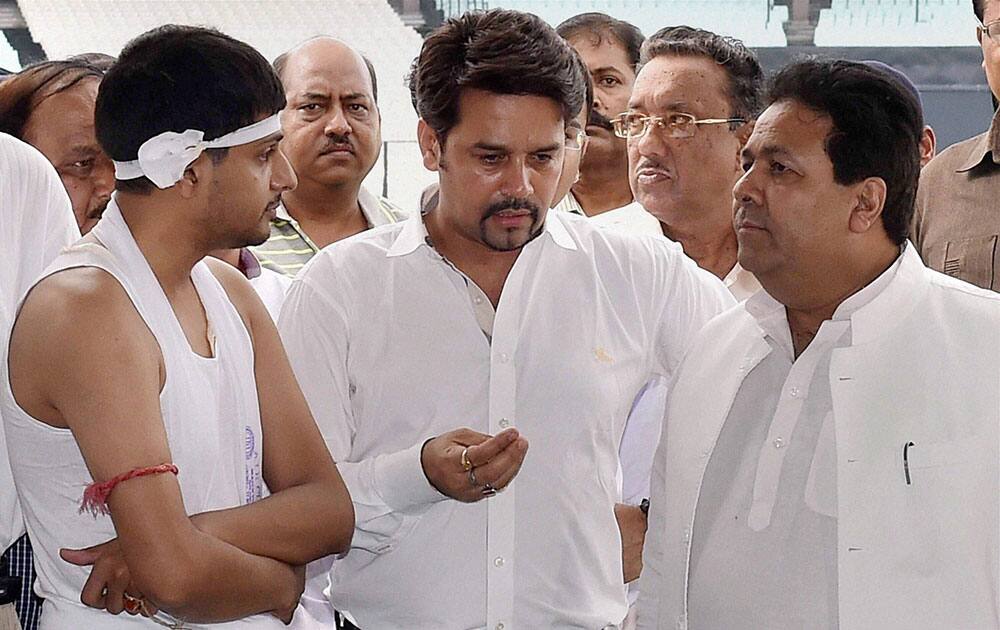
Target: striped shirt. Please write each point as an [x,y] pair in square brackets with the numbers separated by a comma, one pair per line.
[289,248]
[570,204]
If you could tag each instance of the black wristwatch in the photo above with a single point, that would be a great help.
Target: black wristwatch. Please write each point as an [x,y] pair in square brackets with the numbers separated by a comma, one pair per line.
[644,506]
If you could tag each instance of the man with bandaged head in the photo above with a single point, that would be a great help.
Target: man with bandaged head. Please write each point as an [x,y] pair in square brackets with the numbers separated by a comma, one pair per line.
[178,405]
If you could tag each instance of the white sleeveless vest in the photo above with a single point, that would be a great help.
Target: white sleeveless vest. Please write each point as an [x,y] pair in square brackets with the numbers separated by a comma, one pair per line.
[210,412]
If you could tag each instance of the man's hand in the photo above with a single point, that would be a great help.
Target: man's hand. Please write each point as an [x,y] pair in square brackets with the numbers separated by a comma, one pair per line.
[495,461]
[287,613]
[632,524]
[109,580]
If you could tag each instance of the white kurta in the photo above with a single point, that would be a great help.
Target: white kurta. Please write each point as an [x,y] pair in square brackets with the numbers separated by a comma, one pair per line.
[763,549]
[385,341]
[916,540]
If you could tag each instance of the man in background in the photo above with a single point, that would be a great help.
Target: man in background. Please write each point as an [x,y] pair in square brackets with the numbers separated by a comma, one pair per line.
[957,221]
[332,129]
[50,106]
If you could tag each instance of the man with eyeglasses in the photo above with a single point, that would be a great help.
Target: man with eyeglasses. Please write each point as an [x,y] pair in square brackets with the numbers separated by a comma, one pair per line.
[956,227]
[689,115]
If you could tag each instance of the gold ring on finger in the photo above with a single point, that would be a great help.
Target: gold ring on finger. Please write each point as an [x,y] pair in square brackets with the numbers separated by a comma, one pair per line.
[466,464]
[489,490]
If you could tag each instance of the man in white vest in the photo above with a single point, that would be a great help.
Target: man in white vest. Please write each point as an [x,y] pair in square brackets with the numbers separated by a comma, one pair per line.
[829,455]
[156,379]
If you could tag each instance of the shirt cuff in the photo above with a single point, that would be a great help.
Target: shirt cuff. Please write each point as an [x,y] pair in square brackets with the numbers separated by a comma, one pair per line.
[400,480]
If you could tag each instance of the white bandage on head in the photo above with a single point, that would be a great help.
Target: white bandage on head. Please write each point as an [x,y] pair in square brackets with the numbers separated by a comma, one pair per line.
[163,158]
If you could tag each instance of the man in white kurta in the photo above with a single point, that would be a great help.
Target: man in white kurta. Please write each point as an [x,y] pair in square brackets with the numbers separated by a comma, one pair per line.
[843,474]
[403,333]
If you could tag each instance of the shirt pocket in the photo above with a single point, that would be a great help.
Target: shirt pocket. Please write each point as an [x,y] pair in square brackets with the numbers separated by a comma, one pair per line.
[972,260]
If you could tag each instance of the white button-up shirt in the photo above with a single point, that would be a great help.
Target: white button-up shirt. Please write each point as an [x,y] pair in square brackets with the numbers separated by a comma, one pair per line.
[388,343]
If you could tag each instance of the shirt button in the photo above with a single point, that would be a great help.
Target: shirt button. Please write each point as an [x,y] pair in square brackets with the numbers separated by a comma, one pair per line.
[687,534]
[477,300]
[498,561]
[503,357]
[794,392]
[705,453]
[499,626]
[778,442]
[504,423]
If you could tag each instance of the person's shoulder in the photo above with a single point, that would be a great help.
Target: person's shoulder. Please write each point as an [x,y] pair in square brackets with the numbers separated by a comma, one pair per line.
[948,161]
[75,299]
[592,238]
[367,246]
[962,295]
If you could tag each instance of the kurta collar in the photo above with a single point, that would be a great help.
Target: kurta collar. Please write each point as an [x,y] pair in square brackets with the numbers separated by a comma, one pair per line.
[877,307]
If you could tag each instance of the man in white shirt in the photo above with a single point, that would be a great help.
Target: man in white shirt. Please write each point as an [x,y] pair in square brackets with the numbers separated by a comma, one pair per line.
[488,312]
[701,91]
[844,472]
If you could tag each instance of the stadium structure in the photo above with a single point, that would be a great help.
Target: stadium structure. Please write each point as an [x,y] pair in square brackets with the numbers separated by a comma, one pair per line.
[932,41]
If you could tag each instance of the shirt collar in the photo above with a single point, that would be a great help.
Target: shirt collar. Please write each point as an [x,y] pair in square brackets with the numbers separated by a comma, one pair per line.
[369,204]
[570,204]
[414,234]
[988,143]
[282,213]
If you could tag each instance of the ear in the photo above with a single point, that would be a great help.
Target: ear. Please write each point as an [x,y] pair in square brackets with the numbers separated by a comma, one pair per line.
[928,145]
[742,136]
[869,202]
[430,147]
[196,174]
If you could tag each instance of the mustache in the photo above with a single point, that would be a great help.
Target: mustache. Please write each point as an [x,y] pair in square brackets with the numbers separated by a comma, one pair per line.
[336,141]
[598,119]
[511,203]
[648,163]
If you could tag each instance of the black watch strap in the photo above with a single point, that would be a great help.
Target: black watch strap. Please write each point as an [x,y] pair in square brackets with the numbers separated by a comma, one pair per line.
[644,506]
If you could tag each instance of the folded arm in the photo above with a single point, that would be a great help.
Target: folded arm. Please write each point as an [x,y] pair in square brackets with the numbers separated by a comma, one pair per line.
[82,358]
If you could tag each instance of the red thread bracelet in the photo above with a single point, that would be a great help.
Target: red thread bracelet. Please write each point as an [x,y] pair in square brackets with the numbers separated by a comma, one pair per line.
[95,496]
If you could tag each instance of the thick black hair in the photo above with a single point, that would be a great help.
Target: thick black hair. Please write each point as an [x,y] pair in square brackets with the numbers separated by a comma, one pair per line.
[500,51]
[175,78]
[876,128]
[746,78]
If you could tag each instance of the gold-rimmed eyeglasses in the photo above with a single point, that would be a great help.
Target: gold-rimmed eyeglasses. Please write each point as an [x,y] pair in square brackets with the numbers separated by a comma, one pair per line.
[676,125]
[575,139]
[991,30]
